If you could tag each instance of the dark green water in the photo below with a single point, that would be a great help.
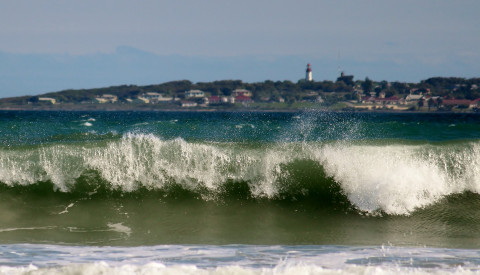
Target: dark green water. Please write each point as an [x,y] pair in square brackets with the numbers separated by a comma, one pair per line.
[149,178]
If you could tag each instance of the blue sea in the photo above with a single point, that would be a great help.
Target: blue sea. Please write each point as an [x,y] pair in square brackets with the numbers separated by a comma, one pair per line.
[239,193]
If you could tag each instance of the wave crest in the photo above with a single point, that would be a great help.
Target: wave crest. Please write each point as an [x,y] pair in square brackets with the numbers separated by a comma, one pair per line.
[391,178]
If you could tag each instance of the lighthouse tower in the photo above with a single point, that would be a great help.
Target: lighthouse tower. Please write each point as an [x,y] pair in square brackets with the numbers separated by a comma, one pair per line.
[308,73]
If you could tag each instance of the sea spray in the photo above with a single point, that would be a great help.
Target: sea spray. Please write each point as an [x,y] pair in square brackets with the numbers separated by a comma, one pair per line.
[394,179]
[140,179]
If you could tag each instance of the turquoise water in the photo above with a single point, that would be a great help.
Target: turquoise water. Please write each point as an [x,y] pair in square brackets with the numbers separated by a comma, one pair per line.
[337,191]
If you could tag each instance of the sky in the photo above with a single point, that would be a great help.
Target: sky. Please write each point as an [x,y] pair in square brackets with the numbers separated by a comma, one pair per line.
[51,45]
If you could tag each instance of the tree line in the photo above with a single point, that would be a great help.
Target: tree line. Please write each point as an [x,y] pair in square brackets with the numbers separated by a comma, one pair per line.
[344,88]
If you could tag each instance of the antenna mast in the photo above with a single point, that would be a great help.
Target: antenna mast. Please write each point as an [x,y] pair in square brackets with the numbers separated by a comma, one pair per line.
[338,62]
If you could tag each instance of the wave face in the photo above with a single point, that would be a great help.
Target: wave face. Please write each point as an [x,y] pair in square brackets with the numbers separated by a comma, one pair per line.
[126,178]
[391,178]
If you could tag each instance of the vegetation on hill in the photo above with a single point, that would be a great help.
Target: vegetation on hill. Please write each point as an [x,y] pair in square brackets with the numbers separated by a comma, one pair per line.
[332,92]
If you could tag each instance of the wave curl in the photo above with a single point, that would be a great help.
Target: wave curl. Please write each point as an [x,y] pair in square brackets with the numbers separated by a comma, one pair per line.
[392,178]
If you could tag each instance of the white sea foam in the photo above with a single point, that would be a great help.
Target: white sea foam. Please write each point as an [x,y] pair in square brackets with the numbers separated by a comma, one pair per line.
[158,268]
[395,179]
[398,178]
[66,209]
[240,126]
[120,228]
[179,259]
[26,228]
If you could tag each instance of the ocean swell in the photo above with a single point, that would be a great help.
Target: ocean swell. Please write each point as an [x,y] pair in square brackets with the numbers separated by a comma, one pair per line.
[392,177]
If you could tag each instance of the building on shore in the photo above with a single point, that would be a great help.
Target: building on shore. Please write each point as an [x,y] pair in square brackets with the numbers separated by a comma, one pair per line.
[194,93]
[308,73]
[242,92]
[106,98]
[243,99]
[47,99]
[157,97]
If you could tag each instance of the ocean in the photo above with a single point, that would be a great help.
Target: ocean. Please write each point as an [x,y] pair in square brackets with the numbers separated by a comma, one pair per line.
[239,193]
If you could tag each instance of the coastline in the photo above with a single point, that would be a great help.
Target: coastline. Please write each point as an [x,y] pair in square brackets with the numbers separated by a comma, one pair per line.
[125,108]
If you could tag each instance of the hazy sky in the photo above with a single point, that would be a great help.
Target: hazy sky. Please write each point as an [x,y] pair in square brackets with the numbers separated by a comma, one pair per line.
[431,34]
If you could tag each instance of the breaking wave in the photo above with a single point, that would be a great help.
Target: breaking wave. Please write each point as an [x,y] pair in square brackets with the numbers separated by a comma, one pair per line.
[391,177]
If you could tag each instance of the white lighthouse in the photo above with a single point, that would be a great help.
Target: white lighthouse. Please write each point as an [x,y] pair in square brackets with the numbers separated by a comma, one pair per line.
[308,73]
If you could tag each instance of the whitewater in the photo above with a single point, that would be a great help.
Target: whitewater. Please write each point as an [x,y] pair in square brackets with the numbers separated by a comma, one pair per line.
[241,193]
[395,179]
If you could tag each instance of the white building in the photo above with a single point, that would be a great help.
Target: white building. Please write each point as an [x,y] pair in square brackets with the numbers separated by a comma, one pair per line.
[241,92]
[413,97]
[48,99]
[228,99]
[194,93]
[105,98]
[157,97]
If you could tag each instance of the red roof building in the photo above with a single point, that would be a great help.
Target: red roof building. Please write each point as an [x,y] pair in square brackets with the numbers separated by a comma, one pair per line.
[457,102]
[243,99]
[214,99]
